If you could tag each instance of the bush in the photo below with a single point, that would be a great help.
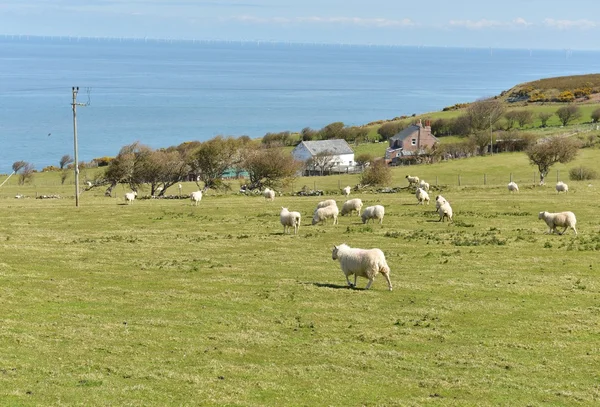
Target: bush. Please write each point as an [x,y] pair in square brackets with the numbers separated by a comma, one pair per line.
[566,96]
[378,173]
[596,116]
[582,174]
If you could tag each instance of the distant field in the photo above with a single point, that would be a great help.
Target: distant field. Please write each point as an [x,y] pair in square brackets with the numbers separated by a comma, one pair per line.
[163,303]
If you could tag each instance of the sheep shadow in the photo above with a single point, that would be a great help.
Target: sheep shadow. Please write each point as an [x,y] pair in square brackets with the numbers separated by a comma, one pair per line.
[336,286]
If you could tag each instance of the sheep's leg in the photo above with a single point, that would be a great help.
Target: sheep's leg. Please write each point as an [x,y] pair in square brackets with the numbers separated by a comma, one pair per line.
[369,284]
[355,277]
[349,283]
[574,230]
[387,278]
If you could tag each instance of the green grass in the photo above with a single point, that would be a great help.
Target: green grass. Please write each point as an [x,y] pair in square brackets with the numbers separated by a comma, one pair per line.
[162,303]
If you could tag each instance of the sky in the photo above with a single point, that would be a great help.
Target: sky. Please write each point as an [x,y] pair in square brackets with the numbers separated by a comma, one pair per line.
[530,24]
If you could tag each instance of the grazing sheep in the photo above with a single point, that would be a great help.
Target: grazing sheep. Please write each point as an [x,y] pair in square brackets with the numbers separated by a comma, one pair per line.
[513,187]
[422,196]
[346,190]
[130,197]
[361,262]
[322,214]
[196,197]
[289,219]
[561,187]
[373,212]
[424,185]
[269,194]
[412,180]
[352,205]
[328,202]
[562,219]
[443,208]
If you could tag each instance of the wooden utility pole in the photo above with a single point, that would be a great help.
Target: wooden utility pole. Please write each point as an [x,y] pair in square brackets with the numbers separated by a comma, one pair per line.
[75,90]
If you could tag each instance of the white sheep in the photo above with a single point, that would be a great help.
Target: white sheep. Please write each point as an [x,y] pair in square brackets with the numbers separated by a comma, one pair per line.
[196,197]
[562,219]
[439,201]
[322,214]
[513,187]
[361,262]
[352,205]
[561,187]
[373,212]
[443,208]
[412,180]
[130,197]
[346,190]
[289,219]
[424,185]
[422,196]
[269,194]
[328,202]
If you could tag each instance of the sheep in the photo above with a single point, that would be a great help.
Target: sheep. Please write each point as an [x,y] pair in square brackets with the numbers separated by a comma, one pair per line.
[424,185]
[130,197]
[443,208]
[373,212]
[361,262]
[566,219]
[346,190]
[513,187]
[412,180]
[322,214]
[328,202]
[352,205]
[196,197]
[269,194]
[289,219]
[561,187]
[422,196]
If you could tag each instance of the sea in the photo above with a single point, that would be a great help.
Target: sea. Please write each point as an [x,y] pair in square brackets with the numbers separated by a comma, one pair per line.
[165,92]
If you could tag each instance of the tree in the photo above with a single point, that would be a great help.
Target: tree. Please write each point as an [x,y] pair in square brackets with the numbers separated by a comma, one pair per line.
[160,169]
[269,166]
[544,117]
[484,113]
[481,140]
[551,151]
[511,119]
[390,129]
[213,158]
[596,116]
[524,117]
[332,131]
[25,171]
[308,134]
[363,159]
[378,173]
[65,160]
[568,113]
[461,126]
[323,161]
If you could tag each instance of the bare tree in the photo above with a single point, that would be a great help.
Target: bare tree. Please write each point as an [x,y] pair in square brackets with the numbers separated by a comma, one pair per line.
[484,113]
[544,117]
[25,173]
[568,113]
[323,161]
[65,160]
[554,150]
[524,117]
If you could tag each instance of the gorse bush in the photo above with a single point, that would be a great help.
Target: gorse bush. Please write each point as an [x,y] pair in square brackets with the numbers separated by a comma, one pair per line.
[582,174]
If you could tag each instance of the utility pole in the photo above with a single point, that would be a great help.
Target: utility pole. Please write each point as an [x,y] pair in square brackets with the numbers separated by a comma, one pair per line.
[75,90]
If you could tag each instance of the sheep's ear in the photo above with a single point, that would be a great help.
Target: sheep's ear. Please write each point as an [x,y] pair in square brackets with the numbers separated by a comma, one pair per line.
[335,247]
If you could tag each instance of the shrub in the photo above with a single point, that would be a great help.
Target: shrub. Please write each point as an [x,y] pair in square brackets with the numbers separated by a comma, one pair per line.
[378,173]
[566,96]
[596,116]
[582,174]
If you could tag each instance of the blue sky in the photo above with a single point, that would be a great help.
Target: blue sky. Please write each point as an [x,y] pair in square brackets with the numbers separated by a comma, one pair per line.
[555,24]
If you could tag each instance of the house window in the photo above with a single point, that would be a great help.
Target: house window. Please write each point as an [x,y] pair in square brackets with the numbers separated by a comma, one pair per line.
[413,142]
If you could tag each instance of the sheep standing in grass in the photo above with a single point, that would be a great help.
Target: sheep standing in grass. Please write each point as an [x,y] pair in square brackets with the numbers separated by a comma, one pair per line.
[346,190]
[443,208]
[412,180]
[422,196]
[328,202]
[424,185]
[269,194]
[373,212]
[561,187]
[130,197]
[196,197]
[562,219]
[513,187]
[352,205]
[289,219]
[322,214]
[361,262]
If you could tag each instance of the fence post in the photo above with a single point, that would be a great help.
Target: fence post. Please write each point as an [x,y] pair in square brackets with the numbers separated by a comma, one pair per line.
[458,179]
[484,179]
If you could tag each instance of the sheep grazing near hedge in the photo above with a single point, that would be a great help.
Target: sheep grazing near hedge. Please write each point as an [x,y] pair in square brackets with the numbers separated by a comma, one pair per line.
[289,219]
[351,206]
[513,187]
[373,212]
[412,180]
[361,263]
[422,196]
[322,214]
[130,197]
[424,185]
[328,202]
[196,197]
[561,187]
[269,194]
[443,208]
[562,219]
[346,190]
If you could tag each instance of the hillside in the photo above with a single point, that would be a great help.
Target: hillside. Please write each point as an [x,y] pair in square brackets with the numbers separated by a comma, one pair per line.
[576,88]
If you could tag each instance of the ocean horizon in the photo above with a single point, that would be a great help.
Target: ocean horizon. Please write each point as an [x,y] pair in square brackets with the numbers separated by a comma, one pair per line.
[165,92]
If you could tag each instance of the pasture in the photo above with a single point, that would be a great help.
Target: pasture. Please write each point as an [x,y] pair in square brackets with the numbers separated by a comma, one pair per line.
[165,303]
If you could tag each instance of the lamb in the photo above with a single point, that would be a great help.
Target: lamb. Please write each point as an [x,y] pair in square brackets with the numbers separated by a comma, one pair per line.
[422,196]
[561,187]
[373,212]
[346,190]
[289,219]
[361,262]
[443,208]
[352,205]
[563,219]
[328,202]
[269,194]
[322,214]
[196,197]
[424,185]
[412,180]
[130,197]
[513,187]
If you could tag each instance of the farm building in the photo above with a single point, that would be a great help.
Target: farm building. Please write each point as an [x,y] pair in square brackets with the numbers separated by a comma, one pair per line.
[415,140]
[325,156]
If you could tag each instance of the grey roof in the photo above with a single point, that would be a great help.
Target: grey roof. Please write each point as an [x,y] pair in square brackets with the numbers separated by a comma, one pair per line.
[336,146]
[405,133]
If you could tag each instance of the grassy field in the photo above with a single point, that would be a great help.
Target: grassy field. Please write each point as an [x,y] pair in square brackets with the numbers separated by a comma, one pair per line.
[163,303]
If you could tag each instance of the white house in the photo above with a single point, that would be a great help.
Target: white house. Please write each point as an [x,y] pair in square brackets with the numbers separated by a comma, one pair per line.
[338,155]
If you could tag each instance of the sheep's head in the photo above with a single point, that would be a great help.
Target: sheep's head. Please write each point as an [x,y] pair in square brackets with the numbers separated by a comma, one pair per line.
[334,253]
[542,215]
